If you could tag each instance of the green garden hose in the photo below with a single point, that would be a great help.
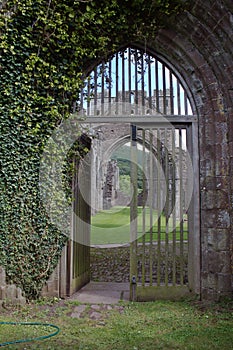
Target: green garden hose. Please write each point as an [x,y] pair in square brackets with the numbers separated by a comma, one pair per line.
[31,339]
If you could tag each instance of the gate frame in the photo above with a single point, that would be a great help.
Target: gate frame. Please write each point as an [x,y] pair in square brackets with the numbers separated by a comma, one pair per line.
[193,288]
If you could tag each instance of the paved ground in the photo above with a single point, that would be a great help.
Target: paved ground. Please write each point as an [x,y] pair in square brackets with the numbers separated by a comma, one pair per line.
[102,293]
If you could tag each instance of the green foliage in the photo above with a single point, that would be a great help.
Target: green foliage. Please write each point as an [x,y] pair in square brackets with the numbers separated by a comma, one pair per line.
[125,184]
[46,48]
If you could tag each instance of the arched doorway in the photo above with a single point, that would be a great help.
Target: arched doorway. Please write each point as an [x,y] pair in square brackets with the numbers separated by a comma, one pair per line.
[145,94]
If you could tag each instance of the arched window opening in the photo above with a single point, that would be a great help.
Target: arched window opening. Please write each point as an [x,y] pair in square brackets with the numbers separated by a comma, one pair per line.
[133,80]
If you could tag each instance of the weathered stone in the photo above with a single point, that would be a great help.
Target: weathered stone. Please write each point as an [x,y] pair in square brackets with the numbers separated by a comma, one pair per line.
[95,315]
[209,218]
[223,219]
[223,240]
[95,307]
[209,183]
[78,311]
[224,263]
[11,291]
[224,283]
[217,239]
[222,199]
[212,280]
[208,199]
[3,292]
[2,277]
[10,294]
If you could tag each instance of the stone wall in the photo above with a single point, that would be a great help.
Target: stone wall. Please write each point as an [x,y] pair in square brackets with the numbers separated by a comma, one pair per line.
[10,294]
[199,43]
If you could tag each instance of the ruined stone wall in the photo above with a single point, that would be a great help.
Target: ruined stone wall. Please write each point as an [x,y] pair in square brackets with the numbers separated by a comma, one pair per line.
[10,294]
[105,173]
[111,184]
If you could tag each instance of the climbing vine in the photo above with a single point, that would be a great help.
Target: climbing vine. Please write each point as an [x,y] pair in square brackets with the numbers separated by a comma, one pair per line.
[47,46]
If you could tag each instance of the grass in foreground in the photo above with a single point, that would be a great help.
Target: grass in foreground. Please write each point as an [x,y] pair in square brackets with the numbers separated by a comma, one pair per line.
[139,326]
[113,226]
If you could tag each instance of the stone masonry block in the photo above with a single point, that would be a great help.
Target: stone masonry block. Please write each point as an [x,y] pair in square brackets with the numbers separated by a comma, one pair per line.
[209,183]
[221,132]
[224,262]
[222,199]
[224,283]
[208,199]
[10,291]
[2,277]
[217,239]
[10,294]
[223,219]
[2,292]
[223,239]
[212,281]
[211,241]
[213,261]
[209,218]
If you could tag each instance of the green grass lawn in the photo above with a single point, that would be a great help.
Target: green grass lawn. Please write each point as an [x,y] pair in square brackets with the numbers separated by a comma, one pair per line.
[113,226]
[135,326]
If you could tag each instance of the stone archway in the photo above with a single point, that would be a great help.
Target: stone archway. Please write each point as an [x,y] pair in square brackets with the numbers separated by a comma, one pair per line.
[199,45]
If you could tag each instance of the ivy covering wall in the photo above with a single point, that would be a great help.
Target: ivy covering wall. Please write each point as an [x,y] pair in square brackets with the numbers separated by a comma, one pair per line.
[46,48]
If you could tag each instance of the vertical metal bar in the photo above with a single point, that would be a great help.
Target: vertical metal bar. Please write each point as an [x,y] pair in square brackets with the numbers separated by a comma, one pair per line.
[143,206]
[110,87]
[82,101]
[171,107]
[164,90]
[181,209]
[178,97]
[166,206]
[159,189]
[142,84]
[185,103]
[157,86]
[129,76]
[117,84]
[136,82]
[133,215]
[95,91]
[173,208]
[151,207]
[102,88]
[149,82]
[88,96]
[123,82]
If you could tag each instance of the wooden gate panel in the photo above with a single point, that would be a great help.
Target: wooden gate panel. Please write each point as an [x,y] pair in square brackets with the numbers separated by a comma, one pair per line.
[159,248]
[80,243]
